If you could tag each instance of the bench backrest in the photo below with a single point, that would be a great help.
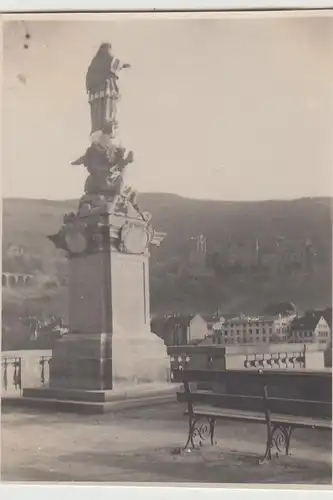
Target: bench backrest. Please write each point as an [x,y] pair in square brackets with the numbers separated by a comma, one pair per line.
[260,400]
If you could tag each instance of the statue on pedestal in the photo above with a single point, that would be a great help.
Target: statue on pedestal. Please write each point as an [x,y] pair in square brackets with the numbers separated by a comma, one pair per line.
[105,160]
[102,87]
[107,243]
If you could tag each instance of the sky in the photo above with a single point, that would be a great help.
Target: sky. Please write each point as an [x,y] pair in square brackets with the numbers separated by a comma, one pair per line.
[225,108]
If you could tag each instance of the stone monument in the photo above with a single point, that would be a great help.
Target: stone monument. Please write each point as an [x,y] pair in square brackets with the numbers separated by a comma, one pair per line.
[107,241]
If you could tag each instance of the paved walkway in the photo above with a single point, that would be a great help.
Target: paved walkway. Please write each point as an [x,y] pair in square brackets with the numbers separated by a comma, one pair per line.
[138,446]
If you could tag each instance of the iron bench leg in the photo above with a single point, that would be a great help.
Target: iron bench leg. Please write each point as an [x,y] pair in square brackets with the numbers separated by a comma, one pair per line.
[199,429]
[278,437]
[268,452]
[282,437]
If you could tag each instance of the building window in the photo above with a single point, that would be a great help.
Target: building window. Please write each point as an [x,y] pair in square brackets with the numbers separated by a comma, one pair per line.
[257,331]
[250,331]
[270,330]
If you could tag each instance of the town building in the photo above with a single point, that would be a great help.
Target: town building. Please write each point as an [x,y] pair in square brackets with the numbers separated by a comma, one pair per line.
[180,329]
[282,327]
[310,329]
[327,315]
[271,327]
[245,330]
[211,320]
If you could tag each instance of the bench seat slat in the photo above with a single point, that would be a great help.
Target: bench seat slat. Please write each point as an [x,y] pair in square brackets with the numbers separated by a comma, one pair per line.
[183,396]
[249,416]
[318,410]
[225,413]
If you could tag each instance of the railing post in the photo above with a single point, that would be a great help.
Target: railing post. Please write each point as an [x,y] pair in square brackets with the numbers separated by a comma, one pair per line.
[5,375]
[20,374]
[17,373]
[42,375]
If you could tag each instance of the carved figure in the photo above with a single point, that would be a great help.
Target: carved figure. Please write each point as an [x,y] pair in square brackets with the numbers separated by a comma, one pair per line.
[102,86]
[106,160]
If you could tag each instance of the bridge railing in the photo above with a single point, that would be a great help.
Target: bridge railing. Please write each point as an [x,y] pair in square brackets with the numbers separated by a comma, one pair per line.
[16,372]
[11,372]
[214,357]
[294,359]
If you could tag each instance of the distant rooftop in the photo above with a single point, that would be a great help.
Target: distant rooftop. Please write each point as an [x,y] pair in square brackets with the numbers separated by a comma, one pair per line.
[307,322]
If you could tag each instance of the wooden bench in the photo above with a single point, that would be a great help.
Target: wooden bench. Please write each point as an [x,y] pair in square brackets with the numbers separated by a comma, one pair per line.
[259,400]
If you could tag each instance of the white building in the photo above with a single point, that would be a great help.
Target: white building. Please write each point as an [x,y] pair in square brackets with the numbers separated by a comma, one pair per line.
[311,328]
[253,330]
[282,327]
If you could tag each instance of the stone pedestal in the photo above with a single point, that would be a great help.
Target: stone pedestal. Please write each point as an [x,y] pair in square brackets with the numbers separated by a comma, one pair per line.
[82,361]
[110,342]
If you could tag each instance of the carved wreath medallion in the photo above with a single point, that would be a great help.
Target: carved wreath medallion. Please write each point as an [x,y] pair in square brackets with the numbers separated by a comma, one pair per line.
[135,238]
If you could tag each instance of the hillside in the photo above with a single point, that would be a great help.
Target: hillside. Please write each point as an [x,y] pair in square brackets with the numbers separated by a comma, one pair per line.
[27,223]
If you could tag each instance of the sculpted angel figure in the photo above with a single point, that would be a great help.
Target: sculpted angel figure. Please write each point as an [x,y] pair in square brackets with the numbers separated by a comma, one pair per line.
[102,86]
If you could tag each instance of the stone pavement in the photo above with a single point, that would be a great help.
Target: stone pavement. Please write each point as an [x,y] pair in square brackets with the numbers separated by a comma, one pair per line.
[138,445]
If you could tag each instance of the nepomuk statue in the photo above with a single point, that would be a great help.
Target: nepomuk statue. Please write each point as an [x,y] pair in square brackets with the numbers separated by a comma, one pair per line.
[105,160]
[102,86]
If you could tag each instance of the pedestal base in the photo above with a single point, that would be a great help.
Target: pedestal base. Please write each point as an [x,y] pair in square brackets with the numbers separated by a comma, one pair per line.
[86,402]
[84,380]
[104,361]
[139,359]
[82,361]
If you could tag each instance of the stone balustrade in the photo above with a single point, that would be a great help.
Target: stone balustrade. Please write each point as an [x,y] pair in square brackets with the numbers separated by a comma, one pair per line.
[11,280]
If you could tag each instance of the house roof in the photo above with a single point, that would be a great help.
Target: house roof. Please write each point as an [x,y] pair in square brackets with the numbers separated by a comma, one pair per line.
[307,322]
[161,323]
[229,316]
[267,318]
[243,320]
[327,315]
[210,318]
[238,320]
